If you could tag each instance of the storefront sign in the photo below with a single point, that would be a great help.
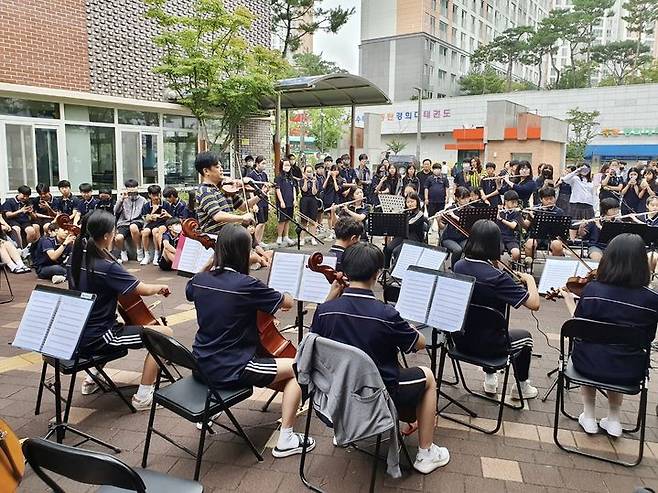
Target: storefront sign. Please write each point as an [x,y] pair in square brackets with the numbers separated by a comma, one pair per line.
[618,132]
[399,116]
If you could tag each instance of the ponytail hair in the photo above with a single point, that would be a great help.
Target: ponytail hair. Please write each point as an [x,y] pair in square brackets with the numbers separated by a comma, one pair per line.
[93,227]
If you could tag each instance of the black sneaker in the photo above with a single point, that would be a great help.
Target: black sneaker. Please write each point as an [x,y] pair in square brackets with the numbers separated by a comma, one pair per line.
[280,453]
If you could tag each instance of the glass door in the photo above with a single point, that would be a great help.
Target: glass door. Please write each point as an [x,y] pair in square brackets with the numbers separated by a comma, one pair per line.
[45,139]
[139,151]
[20,155]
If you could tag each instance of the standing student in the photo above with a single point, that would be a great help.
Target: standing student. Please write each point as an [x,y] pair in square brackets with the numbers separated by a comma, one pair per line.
[176,207]
[377,177]
[128,211]
[170,243]
[544,179]
[564,191]
[308,204]
[348,232]
[363,171]
[526,186]
[286,193]
[424,173]
[612,182]
[295,170]
[619,295]
[452,239]
[52,252]
[9,254]
[632,194]
[18,211]
[436,191]
[94,270]
[417,228]
[489,191]
[581,200]
[319,178]
[155,215]
[410,182]
[333,184]
[86,203]
[227,300]
[509,222]
[355,317]
[350,179]
[248,165]
[259,174]
[392,183]
[495,289]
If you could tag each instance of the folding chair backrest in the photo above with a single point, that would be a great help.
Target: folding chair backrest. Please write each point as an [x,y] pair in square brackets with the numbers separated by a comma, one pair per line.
[605,333]
[83,466]
[166,348]
[478,314]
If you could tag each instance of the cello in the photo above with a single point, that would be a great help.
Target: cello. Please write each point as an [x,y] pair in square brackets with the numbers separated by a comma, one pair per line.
[131,306]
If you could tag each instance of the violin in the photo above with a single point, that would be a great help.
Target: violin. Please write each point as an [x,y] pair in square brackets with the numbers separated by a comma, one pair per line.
[315,264]
[131,306]
[273,344]
[575,285]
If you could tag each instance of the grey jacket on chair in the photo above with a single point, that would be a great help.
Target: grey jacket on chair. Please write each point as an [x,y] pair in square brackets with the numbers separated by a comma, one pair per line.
[349,392]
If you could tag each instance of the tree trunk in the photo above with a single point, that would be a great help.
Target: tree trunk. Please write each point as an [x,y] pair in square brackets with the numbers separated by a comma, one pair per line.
[541,71]
[638,45]
[509,75]
[557,72]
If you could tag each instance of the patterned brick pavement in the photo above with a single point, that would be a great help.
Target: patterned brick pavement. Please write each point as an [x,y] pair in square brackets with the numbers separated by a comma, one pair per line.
[521,457]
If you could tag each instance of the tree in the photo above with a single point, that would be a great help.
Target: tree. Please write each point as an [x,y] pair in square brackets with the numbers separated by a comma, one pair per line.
[395,146]
[294,19]
[312,64]
[484,81]
[327,126]
[583,124]
[507,48]
[641,17]
[542,42]
[576,77]
[211,67]
[620,58]
[560,23]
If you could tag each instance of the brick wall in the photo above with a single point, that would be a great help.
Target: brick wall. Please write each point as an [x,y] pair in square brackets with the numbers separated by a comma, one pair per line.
[259,134]
[44,43]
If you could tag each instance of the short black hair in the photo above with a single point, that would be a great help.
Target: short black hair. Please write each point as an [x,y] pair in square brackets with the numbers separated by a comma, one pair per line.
[490,165]
[362,157]
[172,220]
[42,188]
[484,241]
[170,192]
[319,165]
[328,159]
[290,156]
[510,195]
[362,261]
[104,190]
[427,159]
[435,165]
[462,192]
[347,227]
[154,189]
[205,160]
[85,187]
[24,190]
[248,157]
[624,262]
[546,191]
[64,184]
[607,204]
[131,183]
[339,160]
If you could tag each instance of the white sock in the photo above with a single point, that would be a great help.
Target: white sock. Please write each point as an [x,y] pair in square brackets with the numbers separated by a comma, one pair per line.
[144,391]
[279,239]
[589,408]
[424,453]
[287,439]
[12,266]
[613,413]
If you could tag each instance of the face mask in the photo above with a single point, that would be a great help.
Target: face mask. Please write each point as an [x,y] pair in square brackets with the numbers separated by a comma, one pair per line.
[286,169]
[177,228]
[134,198]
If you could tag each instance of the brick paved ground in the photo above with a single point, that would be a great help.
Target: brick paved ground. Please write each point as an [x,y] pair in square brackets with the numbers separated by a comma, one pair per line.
[521,457]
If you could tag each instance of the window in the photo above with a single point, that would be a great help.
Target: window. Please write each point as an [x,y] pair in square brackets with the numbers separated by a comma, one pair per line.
[20,155]
[89,114]
[23,107]
[432,24]
[139,118]
[433,4]
[140,156]
[443,27]
[179,151]
[454,35]
[47,155]
[91,153]
[442,75]
[178,121]
[444,8]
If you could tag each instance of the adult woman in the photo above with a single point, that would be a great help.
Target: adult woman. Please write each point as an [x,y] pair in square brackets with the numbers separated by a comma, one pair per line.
[95,270]
[417,228]
[227,300]
[619,295]
[495,289]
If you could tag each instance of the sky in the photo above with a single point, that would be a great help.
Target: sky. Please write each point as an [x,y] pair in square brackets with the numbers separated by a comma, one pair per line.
[341,48]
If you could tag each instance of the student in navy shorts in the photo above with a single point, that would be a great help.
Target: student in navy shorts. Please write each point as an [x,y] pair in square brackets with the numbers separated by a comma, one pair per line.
[226,345]
[619,295]
[94,270]
[495,289]
[354,316]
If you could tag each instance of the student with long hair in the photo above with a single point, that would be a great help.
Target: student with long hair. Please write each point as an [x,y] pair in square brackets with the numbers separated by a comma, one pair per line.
[95,270]
[619,295]
[333,184]
[308,204]
[581,200]
[391,183]
[632,194]
[451,238]
[286,193]
[410,180]
[495,289]
[227,300]
[417,228]
[526,186]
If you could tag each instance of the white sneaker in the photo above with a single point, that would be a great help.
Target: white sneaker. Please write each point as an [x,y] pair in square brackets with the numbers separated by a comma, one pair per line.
[124,256]
[142,404]
[140,255]
[438,457]
[199,426]
[314,242]
[156,258]
[588,424]
[89,387]
[490,383]
[263,245]
[612,428]
[279,241]
[302,242]
[528,391]
[146,259]
[58,279]
[289,241]
[25,252]
[119,261]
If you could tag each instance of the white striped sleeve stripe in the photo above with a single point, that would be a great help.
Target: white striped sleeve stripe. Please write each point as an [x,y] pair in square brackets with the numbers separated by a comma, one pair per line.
[412,382]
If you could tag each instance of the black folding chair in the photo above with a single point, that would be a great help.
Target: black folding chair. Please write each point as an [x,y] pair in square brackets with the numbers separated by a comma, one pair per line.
[193,398]
[581,329]
[10,297]
[490,363]
[88,467]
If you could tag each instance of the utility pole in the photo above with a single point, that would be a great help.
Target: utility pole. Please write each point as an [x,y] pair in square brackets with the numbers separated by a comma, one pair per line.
[418,122]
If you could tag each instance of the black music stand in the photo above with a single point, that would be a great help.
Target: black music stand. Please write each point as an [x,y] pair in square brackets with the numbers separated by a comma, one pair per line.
[547,226]
[388,224]
[610,230]
[469,215]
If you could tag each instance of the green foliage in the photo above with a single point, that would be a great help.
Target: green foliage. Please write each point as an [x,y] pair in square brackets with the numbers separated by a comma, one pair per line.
[507,48]
[294,19]
[327,126]
[583,125]
[620,58]
[484,81]
[542,42]
[641,17]
[210,65]
[395,146]
[574,78]
[312,64]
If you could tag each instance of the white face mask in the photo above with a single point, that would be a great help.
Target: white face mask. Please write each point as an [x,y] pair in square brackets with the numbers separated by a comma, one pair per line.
[177,228]
[286,169]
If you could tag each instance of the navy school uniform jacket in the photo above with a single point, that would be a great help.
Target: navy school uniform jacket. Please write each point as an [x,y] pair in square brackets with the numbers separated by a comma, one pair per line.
[12,205]
[437,188]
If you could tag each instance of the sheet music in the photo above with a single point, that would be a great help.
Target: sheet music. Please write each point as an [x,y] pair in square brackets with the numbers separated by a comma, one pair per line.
[70,320]
[192,256]
[286,272]
[449,304]
[582,271]
[409,255]
[37,316]
[556,273]
[431,258]
[314,287]
[415,295]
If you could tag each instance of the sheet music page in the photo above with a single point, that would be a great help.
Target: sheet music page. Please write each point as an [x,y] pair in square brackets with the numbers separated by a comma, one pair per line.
[582,271]
[415,295]
[39,312]
[556,273]
[432,259]
[450,304]
[409,255]
[314,287]
[286,273]
[70,321]
[193,256]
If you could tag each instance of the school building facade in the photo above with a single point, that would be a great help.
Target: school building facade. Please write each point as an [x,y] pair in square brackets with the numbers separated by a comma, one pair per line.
[79,100]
